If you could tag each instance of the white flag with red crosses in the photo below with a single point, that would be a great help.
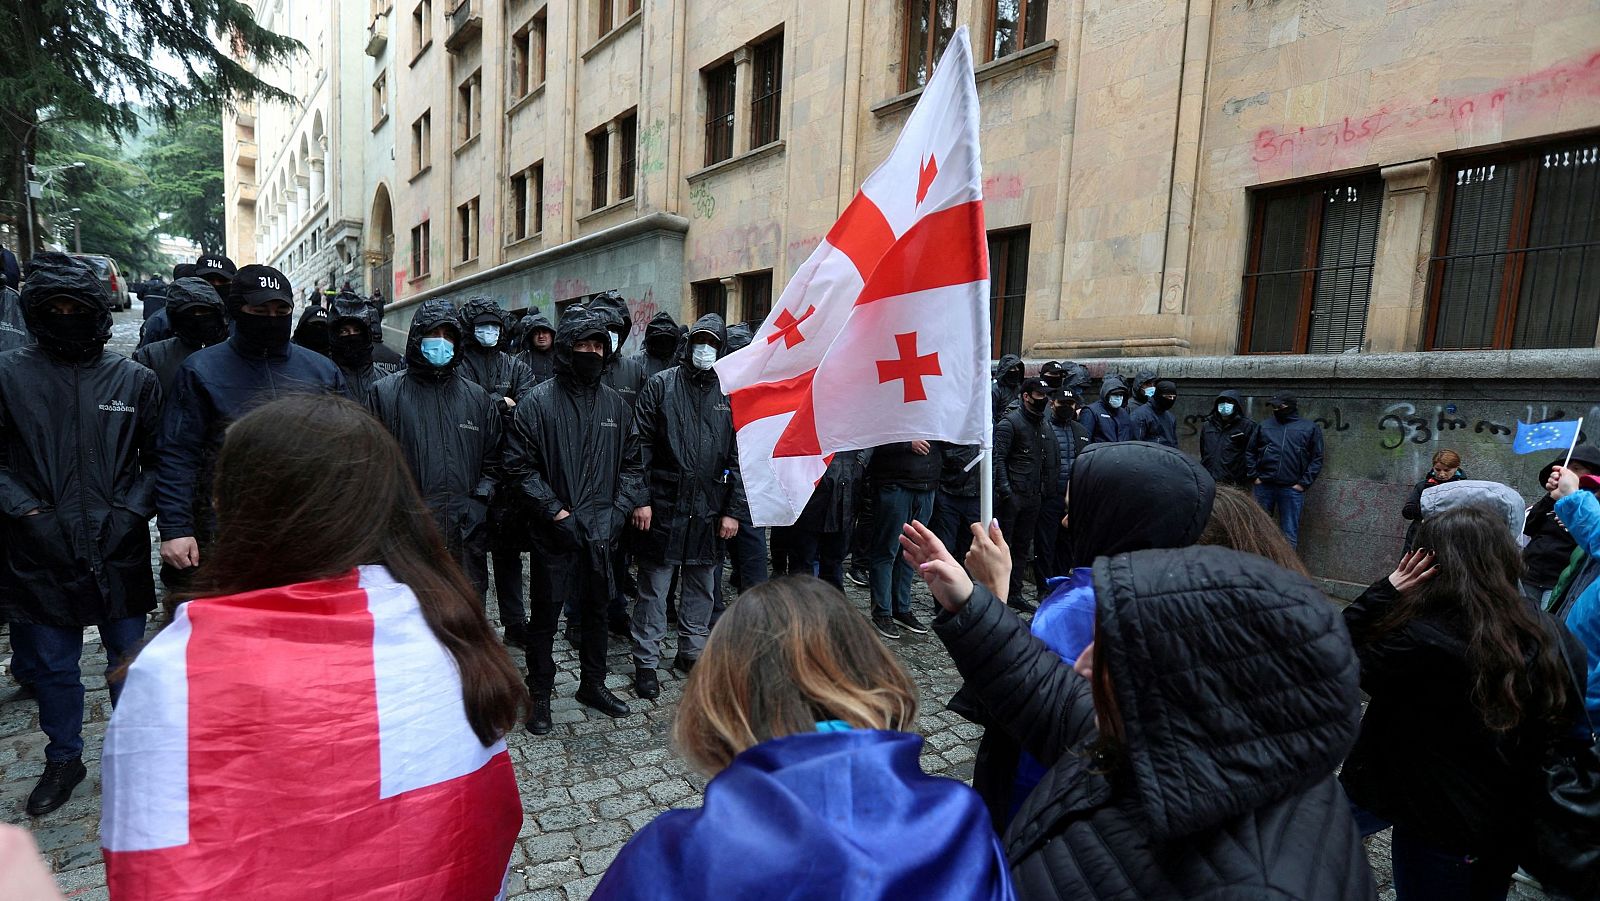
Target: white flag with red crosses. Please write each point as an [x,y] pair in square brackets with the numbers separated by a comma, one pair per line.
[882,334]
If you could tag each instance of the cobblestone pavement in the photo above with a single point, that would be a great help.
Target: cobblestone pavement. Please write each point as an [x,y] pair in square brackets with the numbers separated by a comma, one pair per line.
[586,787]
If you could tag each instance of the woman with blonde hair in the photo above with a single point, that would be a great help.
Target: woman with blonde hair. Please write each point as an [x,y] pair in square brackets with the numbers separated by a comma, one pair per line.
[798,713]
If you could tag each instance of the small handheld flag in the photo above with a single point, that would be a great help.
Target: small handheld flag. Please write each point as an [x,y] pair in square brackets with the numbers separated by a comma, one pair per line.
[1542,436]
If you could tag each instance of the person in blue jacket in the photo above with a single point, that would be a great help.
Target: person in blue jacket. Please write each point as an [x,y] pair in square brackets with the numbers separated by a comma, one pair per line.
[1284,460]
[801,718]
[214,387]
[1108,418]
[1577,595]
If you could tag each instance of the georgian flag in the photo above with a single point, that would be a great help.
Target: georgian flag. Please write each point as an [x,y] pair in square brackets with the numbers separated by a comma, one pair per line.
[299,742]
[882,334]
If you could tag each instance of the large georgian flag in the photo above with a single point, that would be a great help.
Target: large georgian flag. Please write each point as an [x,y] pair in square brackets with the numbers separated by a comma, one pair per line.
[300,742]
[882,334]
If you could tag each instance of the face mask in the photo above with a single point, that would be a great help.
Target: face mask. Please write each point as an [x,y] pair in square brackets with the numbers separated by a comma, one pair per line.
[438,351]
[1115,401]
[1061,415]
[315,337]
[1013,378]
[1035,406]
[587,366]
[616,340]
[352,350]
[1225,409]
[1285,414]
[262,334]
[204,327]
[662,348]
[487,335]
[71,335]
[1165,403]
[703,356]
[1149,393]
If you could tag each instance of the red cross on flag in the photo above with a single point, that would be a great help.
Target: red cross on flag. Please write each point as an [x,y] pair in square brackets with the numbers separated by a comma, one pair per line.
[366,782]
[882,334]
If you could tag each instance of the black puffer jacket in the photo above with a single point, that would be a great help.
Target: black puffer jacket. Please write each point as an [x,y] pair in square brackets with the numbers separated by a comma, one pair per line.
[955,477]
[1026,457]
[540,363]
[684,428]
[199,319]
[78,444]
[449,431]
[1104,422]
[13,330]
[662,345]
[1007,385]
[1237,691]
[1225,441]
[1286,453]
[624,374]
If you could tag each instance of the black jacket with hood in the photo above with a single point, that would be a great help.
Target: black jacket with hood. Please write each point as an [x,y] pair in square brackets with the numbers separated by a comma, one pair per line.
[448,430]
[1550,545]
[1007,385]
[684,428]
[1103,422]
[662,345]
[495,371]
[185,298]
[361,369]
[1150,423]
[78,430]
[624,374]
[540,363]
[13,325]
[571,447]
[1224,442]
[1237,693]
[1026,458]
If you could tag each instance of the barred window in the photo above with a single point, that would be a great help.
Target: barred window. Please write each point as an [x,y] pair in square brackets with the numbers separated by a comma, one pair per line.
[1008,289]
[710,296]
[767,59]
[929,26]
[627,154]
[719,112]
[755,293]
[600,168]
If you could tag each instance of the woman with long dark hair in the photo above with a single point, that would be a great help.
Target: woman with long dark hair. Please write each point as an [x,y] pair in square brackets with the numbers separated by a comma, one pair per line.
[1469,685]
[327,709]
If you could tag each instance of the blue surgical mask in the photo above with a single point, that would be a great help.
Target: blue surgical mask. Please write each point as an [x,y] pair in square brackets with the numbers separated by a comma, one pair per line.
[1149,393]
[703,356]
[487,335]
[1225,409]
[1115,401]
[438,351]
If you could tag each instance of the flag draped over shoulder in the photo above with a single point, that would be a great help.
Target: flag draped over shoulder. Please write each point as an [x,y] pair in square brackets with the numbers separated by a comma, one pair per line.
[882,334]
[307,741]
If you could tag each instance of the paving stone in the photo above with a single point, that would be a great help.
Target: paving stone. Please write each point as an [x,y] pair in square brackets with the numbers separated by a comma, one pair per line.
[595,862]
[550,846]
[669,790]
[592,791]
[556,872]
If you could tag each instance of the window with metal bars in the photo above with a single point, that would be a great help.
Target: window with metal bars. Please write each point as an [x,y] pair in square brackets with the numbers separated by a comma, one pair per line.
[929,26]
[719,82]
[1008,289]
[710,296]
[627,154]
[600,168]
[1015,25]
[767,70]
[755,293]
[1517,259]
[519,206]
[419,250]
[1309,275]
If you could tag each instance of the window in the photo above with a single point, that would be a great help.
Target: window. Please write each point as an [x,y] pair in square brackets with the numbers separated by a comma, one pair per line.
[1008,289]
[421,27]
[627,154]
[419,250]
[929,27]
[710,297]
[1517,263]
[468,119]
[521,62]
[536,201]
[600,168]
[603,14]
[527,202]
[380,100]
[768,89]
[755,292]
[1015,25]
[519,206]
[634,5]
[1310,267]
[467,214]
[719,112]
[421,142]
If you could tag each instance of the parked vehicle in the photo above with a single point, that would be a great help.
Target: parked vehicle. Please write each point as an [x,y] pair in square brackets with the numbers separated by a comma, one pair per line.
[111,276]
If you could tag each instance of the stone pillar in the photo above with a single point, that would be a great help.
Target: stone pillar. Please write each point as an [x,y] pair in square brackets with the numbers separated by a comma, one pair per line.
[1398,305]
[614,163]
[302,193]
[318,182]
[742,92]
[735,312]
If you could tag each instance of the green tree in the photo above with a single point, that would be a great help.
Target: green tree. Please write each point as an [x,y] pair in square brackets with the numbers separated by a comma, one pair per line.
[115,216]
[183,163]
[91,62]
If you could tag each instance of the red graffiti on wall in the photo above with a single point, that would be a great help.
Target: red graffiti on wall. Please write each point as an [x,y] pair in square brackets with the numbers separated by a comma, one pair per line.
[568,288]
[1002,187]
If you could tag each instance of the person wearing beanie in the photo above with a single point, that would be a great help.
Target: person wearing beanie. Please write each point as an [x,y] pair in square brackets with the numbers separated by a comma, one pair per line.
[75,524]
[214,387]
[198,321]
[1284,460]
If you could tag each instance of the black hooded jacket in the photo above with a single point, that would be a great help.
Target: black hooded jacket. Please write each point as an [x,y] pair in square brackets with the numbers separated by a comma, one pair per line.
[13,328]
[1026,458]
[493,370]
[1237,692]
[1103,422]
[571,447]
[684,428]
[662,345]
[1224,442]
[1550,545]
[448,430]
[185,297]
[624,374]
[1151,423]
[540,363]
[363,370]
[77,444]
[1007,385]
[1132,496]
[1139,379]
[1286,453]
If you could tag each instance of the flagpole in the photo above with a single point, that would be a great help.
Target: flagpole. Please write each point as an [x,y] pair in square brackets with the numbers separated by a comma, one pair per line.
[1574,445]
[986,488]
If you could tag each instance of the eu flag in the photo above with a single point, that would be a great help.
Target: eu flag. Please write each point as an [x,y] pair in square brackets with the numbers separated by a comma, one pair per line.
[1543,436]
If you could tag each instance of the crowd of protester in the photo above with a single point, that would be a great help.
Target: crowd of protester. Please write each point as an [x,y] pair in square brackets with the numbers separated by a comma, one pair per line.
[1167,718]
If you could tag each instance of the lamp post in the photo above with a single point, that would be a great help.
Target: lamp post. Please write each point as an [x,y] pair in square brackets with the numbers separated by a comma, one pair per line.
[77,236]
[50,173]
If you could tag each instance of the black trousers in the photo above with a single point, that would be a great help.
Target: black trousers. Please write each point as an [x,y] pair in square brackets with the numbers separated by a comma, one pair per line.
[1019,517]
[1048,543]
[558,576]
[508,588]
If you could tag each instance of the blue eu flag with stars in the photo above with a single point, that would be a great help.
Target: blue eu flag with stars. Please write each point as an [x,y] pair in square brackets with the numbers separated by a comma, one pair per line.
[1543,436]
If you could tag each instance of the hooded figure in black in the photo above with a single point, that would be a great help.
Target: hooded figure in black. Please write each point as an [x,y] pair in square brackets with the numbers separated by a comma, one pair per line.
[314,331]
[156,325]
[1225,438]
[449,430]
[533,329]
[214,387]
[1155,421]
[153,296]
[624,374]
[77,490]
[1108,419]
[572,459]
[1026,458]
[1197,757]
[684,428]
[1144,388]
[661,340]
[353,322]
[1007,385]
[13,325]
[199,321]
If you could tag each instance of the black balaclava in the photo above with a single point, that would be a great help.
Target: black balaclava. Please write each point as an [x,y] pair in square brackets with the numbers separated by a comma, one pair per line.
[352,351]
[1289,404]
[196,312]
[1054,375]
[661,337]
[257,335]
[1164,388]
[66,337]
[1063,412]
[314,331]
[580,369]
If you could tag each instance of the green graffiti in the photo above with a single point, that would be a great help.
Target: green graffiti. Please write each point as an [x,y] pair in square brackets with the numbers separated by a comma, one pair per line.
[705,206]
[652,148]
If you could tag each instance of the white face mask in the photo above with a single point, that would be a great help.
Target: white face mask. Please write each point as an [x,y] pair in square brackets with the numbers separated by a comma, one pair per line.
[1115,401]
[487,335]
[703,356]
[616,341]
[1225,409]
